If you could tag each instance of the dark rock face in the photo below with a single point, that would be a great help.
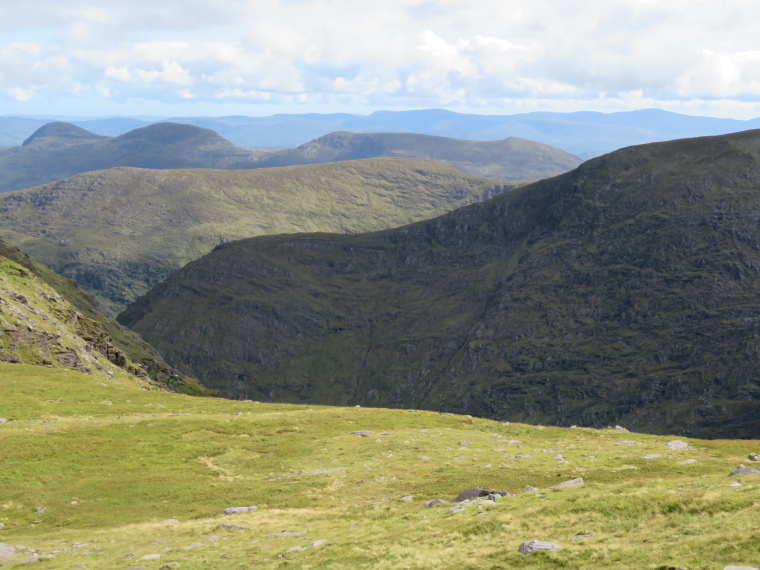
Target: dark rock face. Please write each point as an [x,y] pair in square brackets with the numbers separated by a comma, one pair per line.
[623,292]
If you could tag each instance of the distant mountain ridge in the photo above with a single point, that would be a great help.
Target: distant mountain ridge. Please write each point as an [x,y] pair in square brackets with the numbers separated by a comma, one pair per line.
[623,292]
[509,159]
[59,150]
[117,232]
[583,134]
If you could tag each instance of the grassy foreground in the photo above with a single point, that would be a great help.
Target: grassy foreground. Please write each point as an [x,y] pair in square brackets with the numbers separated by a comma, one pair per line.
[99,474]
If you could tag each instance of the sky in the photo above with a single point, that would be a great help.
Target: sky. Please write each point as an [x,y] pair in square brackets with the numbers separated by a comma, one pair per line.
[256,58]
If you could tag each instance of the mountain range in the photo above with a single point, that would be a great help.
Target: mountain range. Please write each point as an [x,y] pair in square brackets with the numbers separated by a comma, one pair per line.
[624,291]
[59,150]
[584,134]
[118,232]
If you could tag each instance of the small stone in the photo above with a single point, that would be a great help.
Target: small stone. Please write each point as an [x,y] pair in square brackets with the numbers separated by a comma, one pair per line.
[581,536]
[742,470]
[434,503]
[296,548]
[287,533]
[523,456]
[424,458]
[559,457]
[230,527]
[739,568]
[629,467]
[677,444]
[362,433]
[150,557]
[317,543]
[752,456]
[238,510]
[687,462]
[626,442]
[460,458]
[530,489]
[107,402]
[3,421]
[171,521]
[620,428]
[471,494]
[407,498]
[652,456]
[568,484]
[465,443]
[534,545]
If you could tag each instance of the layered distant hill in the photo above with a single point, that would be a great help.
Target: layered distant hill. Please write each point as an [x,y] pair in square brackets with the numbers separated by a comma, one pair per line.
[583,134]
[59,150]
[625,291]
[509,159]
[118,232]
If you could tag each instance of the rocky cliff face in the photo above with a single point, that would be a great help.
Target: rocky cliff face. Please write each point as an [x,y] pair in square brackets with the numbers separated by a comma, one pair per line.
[625,291]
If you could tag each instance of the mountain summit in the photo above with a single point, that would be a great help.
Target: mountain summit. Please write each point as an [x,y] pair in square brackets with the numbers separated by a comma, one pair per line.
[624,291]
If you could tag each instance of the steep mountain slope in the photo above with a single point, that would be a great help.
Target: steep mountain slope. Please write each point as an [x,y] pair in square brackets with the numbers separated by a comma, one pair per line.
[120,231]
[624,291]
[58,150]
[45,320]
[508,159]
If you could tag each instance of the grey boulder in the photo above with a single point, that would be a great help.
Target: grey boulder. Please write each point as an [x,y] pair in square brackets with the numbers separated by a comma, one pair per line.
[568,484]
[533,545]
[238,510]
[742,470]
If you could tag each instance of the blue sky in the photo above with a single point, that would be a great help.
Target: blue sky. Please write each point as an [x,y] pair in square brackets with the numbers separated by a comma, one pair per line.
[195,57]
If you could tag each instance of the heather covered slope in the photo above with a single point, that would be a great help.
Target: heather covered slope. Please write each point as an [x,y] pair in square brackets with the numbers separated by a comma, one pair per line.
[623,291]
[118,232]
[509,159]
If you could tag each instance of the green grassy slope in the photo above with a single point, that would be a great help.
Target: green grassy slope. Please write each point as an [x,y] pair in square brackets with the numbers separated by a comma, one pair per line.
[623,291]
[103,473]
[510,159]
[120,231]
[46,320]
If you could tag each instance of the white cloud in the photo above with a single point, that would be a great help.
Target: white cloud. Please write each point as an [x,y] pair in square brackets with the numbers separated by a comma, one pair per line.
[527,53]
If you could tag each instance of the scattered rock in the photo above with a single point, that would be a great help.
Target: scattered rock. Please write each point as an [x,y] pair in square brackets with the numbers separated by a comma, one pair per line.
[238,510]
[523,456]
[296,548]
[626,442]
[629,467]
[171,521]
[6,551]
[687,462]
[533,545]
[581,536]
[652,456]
[478,492]
[752,456]
[677,444]
[150,557]
[317,543]
[286,533]
[465,443]
[742,470]
[434,503]
[559,457]
[621,428]
[424,458]
[530,489]
[568,484]
[108,403]
[739,568]
[3,421]
[407,498]
[362,433]
[230,526]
